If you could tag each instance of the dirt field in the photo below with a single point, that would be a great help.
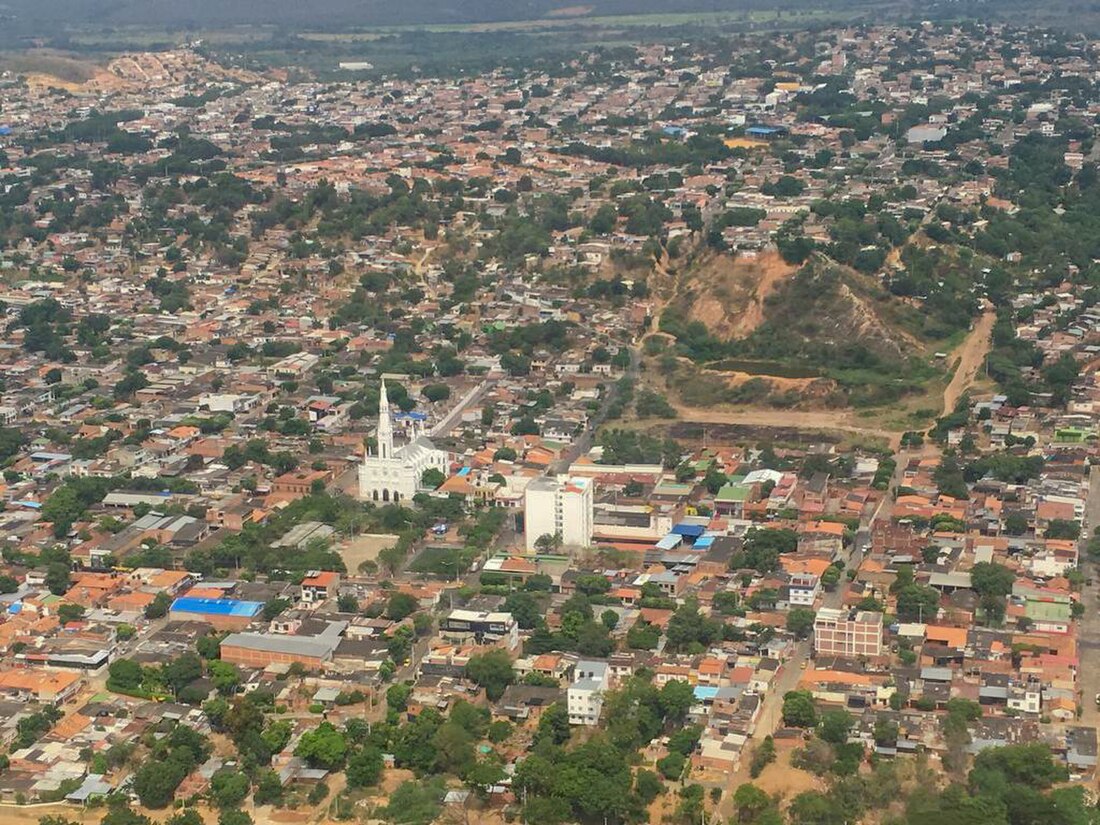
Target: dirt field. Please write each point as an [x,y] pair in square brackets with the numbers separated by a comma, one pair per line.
[780,778]
[364,548]
[970,356]
[830,421]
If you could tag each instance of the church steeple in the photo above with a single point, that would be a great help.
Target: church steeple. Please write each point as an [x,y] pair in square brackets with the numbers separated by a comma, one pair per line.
[385,425]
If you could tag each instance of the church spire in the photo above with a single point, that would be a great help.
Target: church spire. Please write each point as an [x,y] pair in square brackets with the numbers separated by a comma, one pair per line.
[385,425]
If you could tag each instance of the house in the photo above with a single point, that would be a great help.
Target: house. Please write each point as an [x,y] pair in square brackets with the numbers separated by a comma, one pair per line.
[464,626]
[584,697]
[319,586]
[521,702]
[47,687]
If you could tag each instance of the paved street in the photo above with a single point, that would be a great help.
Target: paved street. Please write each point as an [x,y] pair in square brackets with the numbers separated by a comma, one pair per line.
[787,678]
[1089,632]
[583,443]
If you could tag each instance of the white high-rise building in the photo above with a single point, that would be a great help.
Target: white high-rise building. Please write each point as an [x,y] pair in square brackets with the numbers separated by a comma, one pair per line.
[391,474]
[561,506]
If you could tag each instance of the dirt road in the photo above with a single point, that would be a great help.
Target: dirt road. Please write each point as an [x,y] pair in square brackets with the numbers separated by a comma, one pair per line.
[838,421]
[970,355]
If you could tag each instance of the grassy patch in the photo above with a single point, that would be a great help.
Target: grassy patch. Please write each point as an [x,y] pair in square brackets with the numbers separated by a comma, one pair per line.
[444,561]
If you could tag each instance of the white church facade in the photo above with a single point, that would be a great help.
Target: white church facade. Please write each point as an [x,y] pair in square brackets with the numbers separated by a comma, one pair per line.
[391,474]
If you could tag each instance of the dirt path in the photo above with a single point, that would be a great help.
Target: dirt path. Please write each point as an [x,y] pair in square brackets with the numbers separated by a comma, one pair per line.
[829,420]
[970,356]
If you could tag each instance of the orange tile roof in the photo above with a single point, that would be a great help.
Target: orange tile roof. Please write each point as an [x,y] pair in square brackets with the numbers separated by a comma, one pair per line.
[814,566]
[953,637]
[830,528]
[168,578]
[37,681]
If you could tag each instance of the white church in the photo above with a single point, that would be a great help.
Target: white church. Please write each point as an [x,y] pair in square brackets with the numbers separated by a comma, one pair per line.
[394,474]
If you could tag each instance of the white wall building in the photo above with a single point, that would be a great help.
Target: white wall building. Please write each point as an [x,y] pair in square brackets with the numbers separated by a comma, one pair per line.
[559,506]
[584,697]
[394,474]
[804,588]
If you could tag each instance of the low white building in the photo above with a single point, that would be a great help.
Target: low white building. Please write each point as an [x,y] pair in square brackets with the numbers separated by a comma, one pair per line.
[803,590]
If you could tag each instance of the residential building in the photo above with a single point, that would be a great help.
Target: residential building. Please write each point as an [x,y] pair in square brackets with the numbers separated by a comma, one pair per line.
[584,697]
[847,633]
[561,507]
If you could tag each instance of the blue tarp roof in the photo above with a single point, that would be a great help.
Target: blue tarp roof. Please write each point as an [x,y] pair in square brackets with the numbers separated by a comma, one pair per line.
[689,530]
[704,541]
[217,607]
[705,692]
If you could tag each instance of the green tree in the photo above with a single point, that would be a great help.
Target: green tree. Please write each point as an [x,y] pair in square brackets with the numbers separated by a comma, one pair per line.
[364,767]
[750,803]
[432,478]
[676,699]
[401,605]
[323,747]
[57,578]
[158,607]
[492,671]
[182,671]
[415,803]
[991,579]
[763,756]
[798,709]
[688,630]
[834,726]
[269,788]
[1063,529]
[553,725]
[918,603]
[524,609]
[800,621]
[483,774]
[228,788]
[124,675]
[226,676]
[672,766]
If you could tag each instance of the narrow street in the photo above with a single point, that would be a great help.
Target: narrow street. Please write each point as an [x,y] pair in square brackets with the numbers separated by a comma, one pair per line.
[788,676]
[1088,640]
[583,443]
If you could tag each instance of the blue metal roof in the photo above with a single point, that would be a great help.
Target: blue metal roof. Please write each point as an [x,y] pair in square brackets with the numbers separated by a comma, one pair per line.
[217,607]
[689,530]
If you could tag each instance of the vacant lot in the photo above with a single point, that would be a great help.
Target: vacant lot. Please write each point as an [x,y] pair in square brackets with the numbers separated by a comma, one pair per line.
[364,548]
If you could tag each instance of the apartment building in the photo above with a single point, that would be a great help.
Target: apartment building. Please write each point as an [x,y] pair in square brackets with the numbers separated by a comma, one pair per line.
[560,507]
[847,633]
